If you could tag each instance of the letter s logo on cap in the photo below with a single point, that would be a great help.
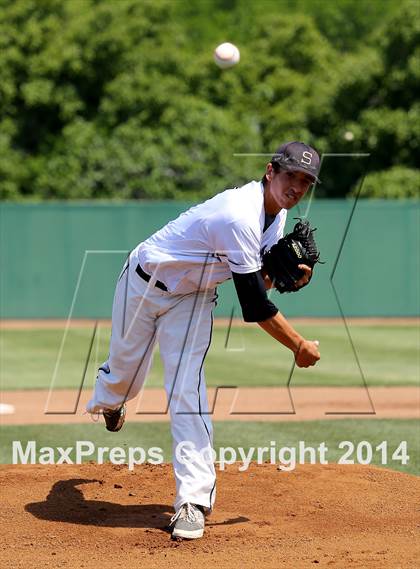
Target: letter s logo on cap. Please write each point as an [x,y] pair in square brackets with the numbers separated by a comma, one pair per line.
[307,157]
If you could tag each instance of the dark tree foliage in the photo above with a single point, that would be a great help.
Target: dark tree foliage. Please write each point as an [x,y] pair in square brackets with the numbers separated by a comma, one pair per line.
[121,99]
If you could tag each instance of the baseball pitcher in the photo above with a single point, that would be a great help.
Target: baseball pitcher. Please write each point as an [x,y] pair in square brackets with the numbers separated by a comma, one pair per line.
[166,293]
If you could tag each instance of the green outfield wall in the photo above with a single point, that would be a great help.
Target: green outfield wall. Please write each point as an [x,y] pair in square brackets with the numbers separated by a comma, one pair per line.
[50,249]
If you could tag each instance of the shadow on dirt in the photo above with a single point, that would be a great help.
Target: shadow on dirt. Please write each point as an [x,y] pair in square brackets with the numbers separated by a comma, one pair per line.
[66,503]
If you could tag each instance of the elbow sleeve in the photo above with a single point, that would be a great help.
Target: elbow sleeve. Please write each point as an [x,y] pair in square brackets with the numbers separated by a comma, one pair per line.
[250,287]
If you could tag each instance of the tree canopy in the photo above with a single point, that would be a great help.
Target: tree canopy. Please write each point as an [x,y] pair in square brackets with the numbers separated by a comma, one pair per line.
[121,99]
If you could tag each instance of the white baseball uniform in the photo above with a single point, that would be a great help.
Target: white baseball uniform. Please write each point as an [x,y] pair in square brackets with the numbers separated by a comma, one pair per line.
[189,256]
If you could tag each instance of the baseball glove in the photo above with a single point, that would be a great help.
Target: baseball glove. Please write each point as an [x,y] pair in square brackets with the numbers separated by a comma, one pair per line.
[282,260]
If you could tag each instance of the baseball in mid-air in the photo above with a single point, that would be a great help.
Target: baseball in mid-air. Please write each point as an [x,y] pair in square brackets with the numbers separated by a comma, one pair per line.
[226,55]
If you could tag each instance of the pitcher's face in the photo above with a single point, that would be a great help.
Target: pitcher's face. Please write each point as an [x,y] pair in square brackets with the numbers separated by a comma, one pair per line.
[285,188]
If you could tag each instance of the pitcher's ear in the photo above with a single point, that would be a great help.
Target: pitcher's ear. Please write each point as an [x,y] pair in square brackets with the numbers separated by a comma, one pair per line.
[269,171]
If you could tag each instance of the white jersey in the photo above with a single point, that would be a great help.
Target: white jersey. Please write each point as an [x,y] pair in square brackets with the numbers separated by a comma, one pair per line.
[192,254]
[204,245]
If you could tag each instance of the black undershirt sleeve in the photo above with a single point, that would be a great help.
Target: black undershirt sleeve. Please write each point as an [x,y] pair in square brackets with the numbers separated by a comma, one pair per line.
[250,287]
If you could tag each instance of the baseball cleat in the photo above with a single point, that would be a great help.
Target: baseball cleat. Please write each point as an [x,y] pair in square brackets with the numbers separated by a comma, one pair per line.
[188,522]
[114,418]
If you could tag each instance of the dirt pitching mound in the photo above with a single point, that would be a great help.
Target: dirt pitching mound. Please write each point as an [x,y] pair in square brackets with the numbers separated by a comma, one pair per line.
[105,516]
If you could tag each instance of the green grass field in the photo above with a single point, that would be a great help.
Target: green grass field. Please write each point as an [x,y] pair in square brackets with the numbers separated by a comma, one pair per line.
[388,355]
[233,434]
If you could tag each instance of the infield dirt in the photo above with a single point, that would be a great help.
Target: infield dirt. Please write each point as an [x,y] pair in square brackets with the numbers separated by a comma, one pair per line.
[86,516]
[253,404]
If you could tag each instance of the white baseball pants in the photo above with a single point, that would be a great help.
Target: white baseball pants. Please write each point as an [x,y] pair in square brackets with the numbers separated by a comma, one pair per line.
[142,315]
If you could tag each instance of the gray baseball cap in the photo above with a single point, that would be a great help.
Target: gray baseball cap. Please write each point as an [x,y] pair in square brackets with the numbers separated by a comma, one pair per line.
[298,156]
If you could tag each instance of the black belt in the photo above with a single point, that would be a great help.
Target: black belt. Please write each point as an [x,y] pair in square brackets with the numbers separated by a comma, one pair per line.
[147,278]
